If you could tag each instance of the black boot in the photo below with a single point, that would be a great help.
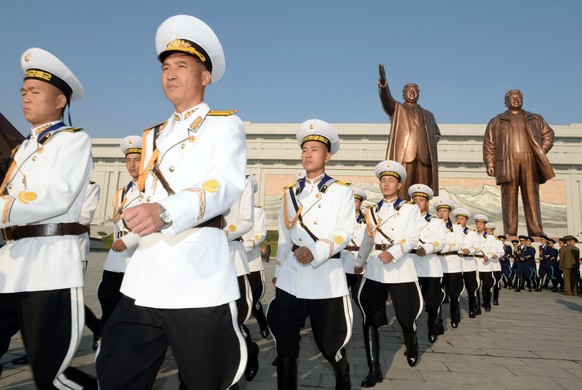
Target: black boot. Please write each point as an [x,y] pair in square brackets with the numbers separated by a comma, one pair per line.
[262,321]
[372,343]
[432,328]
[496,296]
[478,305]
[342,374]
[252,362]
[529,285]
[455,314]
[286,373]
[487,300]
[519,284]
[411,342]
[472,310]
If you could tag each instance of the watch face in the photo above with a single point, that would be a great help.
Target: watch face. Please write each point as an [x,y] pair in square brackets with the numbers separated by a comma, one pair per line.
[165,216]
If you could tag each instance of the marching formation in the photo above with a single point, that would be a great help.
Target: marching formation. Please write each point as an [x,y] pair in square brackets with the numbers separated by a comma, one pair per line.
[185,267]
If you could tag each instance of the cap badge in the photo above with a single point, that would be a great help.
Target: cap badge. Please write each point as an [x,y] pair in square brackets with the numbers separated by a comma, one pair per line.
[311,126]
[27,57]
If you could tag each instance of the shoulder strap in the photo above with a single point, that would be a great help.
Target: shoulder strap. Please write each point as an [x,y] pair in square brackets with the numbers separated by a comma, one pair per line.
[300,218]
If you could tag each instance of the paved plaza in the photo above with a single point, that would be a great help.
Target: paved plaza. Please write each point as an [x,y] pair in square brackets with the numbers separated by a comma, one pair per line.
[531,341]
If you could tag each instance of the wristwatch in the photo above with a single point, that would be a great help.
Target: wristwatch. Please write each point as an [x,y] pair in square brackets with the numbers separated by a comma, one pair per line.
[166,218]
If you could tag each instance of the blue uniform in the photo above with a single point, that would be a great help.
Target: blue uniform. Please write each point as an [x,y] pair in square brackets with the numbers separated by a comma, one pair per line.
[526,269]
[506,269]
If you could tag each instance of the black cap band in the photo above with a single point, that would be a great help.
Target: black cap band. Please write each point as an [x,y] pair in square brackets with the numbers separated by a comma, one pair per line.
[43,75]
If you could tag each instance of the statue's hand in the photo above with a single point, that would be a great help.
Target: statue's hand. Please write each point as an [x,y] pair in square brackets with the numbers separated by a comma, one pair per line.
[382,72]
[491,171]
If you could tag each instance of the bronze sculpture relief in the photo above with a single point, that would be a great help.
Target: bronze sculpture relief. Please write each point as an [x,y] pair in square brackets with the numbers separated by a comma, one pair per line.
[413,136]
[514,152]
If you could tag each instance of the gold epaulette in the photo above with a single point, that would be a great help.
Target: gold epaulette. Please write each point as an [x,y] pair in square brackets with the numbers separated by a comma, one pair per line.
[343,183]
[221,113]
[289,186]
[258,207]
[72,130]
[409,202]
[161,124]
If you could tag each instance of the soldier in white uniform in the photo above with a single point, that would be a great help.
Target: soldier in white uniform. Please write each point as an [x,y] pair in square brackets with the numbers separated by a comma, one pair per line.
[180,287]
[497,251]
[483,254]
[41,200]
[451,262]
[350,253]
[239,221]
[428,266]
[124,241]
[315,223]
[393,230]
[252,241]
[470,276]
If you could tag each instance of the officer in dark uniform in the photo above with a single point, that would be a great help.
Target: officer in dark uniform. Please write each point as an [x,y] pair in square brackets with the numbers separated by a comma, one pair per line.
[514,261]
[527,264]
[545,272]
[506,270]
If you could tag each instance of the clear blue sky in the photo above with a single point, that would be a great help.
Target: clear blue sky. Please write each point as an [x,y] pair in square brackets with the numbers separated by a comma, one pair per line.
[287,61]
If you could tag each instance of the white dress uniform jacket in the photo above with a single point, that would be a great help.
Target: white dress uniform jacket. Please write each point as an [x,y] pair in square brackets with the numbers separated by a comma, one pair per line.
[483,247]
[348,256]
[327,209]
[87,214]
[494,250]
[203,158]
[469,242]
[46,184]
[125,198]
[452,263]
[402,223]
[254,238]
[239,221]
[433,238]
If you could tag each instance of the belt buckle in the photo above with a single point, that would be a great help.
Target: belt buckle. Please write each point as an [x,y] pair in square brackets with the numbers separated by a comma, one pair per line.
[5,234]
[385,247]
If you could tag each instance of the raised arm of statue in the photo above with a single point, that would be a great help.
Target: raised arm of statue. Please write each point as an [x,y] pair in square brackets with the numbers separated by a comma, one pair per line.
[388,102]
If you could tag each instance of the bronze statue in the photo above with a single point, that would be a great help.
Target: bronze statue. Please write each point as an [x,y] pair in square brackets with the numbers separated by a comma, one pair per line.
[413,136]
[514,151]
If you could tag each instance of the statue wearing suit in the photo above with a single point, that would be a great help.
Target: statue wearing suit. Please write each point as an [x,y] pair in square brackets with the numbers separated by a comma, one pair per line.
[514,151]
[413,136]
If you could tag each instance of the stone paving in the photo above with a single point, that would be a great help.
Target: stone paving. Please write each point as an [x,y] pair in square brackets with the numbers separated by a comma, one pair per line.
[531,341]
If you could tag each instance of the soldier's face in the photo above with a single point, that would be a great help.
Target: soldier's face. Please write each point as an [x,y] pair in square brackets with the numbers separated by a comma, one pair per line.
[358,204]
[444,213]
[461,220]
[184,79]
[41,102]
[542,241]
[389,186]
[314,155]
[132,163]
[421,202]
[480,226]
[489,232]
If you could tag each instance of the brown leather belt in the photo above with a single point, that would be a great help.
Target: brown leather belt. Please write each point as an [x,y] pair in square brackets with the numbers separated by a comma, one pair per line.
[336,256]
[449,253]
[479,256]
[413,251]
[215,222]
[382,247]
[352,248]
[45,230]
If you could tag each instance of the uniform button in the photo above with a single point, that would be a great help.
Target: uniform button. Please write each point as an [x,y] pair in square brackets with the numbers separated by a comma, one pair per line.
[300,239]
[319,206]
[148,198]
[315,222]
[33,158]
[183,146]
[172,169]
[10,187]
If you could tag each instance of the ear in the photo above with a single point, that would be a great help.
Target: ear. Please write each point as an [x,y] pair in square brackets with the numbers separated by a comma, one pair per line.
[327,156]
[206,78]
[399,186]
[61,102]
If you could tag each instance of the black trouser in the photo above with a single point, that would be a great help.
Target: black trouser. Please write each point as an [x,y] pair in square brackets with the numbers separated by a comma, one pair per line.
[51,323]
[406,299]
[331,320]
[245,302]
[432,293]
[486,284]
[353,281]
[454,284]
[257,284]
[472,285]
[109,294]
[206,342]
[497,276]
